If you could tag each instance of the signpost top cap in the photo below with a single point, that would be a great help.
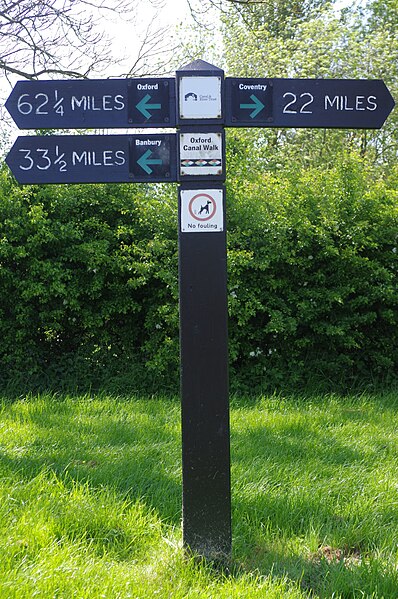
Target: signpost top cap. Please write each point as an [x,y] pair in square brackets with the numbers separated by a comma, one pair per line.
[200,67]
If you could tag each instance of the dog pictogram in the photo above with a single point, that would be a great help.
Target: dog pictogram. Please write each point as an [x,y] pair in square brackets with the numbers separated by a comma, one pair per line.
[205,207]
[202,207]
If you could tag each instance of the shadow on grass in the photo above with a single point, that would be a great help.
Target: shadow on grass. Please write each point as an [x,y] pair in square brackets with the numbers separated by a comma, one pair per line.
[133,452]
[302,504]
[286,487]
[346,576]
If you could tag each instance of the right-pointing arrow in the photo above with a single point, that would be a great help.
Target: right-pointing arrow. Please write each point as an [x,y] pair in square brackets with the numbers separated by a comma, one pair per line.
[257,106]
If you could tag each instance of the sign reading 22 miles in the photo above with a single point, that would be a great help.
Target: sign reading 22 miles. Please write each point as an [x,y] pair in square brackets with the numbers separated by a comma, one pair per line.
[338,103]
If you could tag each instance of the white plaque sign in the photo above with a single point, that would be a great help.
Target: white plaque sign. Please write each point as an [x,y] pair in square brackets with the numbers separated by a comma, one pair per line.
[200,98]
[201,154]
[202,210]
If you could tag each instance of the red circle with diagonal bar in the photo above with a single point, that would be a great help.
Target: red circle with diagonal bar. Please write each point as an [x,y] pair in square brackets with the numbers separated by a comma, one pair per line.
[207,205]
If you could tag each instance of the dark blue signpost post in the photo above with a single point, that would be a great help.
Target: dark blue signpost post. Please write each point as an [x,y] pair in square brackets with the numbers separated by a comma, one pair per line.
[203,312]
[200,102]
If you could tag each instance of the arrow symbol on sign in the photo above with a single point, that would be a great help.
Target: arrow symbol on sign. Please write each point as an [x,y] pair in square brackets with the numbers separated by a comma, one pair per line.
[257,106]
[144,107]
[145,161]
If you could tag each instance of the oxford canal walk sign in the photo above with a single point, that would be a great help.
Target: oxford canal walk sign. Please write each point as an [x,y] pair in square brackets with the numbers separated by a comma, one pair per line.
[201,154]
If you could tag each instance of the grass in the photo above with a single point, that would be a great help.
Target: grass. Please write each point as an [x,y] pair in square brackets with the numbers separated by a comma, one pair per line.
[90,499]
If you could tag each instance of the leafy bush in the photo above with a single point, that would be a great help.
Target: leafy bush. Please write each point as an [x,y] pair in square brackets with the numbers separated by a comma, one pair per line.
[88,278]
[313,264]
[89,283]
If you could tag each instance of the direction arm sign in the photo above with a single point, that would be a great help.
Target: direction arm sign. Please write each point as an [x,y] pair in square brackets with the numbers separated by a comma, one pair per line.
[94,158]
[337,103]
[91,103]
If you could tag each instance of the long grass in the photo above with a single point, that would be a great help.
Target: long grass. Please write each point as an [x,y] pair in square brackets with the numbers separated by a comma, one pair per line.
[90,499]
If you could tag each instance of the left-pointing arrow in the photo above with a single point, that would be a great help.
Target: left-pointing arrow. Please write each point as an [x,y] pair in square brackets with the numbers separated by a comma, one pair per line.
[256,106]
[145,161]
[93,159]
[144,107]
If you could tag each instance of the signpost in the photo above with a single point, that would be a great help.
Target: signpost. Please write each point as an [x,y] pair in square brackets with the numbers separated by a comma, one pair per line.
[200,102]
[337,103]
[94,158]
[92,103]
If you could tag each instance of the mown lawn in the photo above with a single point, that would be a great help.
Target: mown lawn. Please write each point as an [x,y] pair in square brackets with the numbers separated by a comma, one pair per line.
[90,499]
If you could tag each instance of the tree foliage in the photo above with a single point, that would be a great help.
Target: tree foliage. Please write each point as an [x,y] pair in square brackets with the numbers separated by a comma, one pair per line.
[326,44]
[89,274]
[89,281]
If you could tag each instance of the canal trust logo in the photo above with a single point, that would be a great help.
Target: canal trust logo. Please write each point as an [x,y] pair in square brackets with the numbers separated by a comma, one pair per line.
[200,97]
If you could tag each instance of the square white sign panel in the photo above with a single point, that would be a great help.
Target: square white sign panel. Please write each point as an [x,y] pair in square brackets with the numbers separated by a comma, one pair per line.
[201,154]
[200,98]
[202,210]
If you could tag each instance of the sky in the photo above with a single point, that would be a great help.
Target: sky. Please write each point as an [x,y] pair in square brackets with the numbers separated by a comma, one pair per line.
[126,36]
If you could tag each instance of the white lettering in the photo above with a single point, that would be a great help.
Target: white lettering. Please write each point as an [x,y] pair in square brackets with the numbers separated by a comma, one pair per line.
[148,142]
[82,158]
[331,102]
[96,104]
[94,158]
[44,103]
[75,103]
[94,107]
[29,159]
[359,103]
[144,86]
[257,86]
[119,158]
[119,102]
[108,157]
[348,104]
[106,103]
[24,106]
[372,103]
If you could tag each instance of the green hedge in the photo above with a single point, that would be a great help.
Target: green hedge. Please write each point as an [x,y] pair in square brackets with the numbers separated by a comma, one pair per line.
[89,281]
[89,290]
[313,291]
